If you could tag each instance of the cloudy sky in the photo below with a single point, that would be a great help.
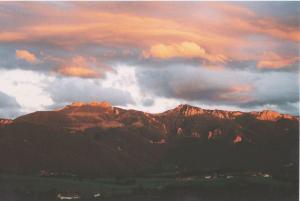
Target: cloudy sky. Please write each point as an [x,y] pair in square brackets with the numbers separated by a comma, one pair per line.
[149,56]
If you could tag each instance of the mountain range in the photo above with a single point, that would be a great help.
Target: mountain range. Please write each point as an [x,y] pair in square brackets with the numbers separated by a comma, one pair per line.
[97,139]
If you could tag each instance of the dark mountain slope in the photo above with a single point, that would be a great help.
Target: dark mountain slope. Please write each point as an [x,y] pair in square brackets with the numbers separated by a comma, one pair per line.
[99,139]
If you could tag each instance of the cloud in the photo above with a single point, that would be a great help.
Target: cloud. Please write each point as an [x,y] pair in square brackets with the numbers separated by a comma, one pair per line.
[26,87]
[195,84]
[80,66]
[243,89]
[234,31]
[182,50]
[78,71]
[9,107]
[67,90]
[12,36]
[147,102]
[7,101]
[26,55]
[271,60]
[36,91]
[278,89]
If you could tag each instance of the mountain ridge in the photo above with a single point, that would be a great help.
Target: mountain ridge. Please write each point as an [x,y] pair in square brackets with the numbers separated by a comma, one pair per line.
[105,115]
[99,139]
[186,108]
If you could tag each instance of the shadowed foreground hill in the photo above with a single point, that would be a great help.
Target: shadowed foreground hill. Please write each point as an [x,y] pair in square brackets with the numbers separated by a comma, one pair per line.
[98,139]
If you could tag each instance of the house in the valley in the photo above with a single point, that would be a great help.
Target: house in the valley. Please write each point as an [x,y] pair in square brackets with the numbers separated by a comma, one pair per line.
[68,196]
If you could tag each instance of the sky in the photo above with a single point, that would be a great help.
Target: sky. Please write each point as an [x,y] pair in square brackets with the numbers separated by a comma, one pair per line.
[149,56]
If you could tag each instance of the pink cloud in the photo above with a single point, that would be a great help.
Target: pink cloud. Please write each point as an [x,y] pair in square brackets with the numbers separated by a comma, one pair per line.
[238,92]
[182,50]
[80,66]
[26,55]
[241,88]
[78,71]
[227,35]
[271,60]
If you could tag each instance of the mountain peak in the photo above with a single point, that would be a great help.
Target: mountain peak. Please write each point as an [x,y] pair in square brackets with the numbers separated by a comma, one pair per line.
[103,104]
[270,115]
[91,105]
[183,106]
[5,121]
[189,110]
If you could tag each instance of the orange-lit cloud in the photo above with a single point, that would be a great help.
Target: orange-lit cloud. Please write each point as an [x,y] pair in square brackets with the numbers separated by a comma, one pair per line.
[77,71]
[271,60]
[80,67]
[231,9]
[229,34]
[26,55]
[182,50]
[12,36]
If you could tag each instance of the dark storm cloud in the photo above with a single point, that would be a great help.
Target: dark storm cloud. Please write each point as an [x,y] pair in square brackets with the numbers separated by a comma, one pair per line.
[66,90]
[244,89]
[189,83]
[9,107]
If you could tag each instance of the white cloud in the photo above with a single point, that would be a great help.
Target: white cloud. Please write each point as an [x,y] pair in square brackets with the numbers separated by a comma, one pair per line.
[35,91]
[124,78]
[27,88]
